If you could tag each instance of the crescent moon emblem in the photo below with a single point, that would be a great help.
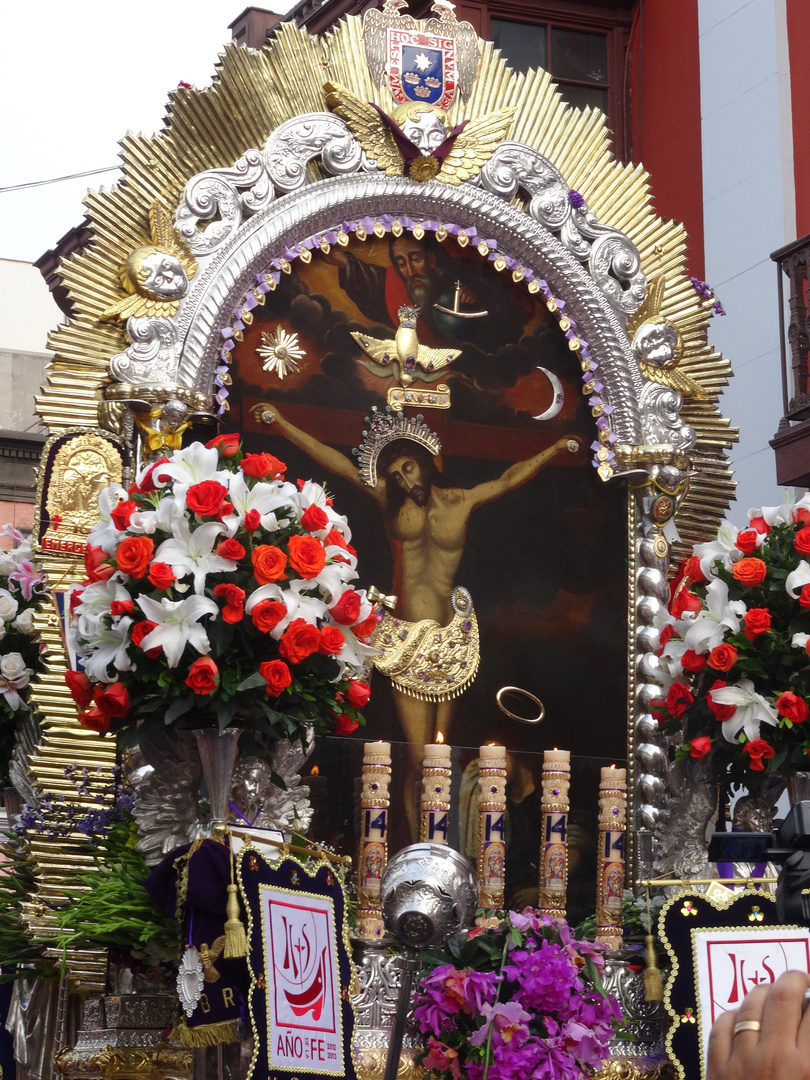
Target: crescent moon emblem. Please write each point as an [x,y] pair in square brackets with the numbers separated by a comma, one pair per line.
[558,399]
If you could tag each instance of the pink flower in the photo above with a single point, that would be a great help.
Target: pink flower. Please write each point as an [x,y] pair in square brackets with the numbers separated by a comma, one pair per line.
[508,1021]
[26,577]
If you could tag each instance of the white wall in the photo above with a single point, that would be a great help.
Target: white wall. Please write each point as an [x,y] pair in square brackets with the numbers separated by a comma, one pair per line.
[27,314]
[749,211]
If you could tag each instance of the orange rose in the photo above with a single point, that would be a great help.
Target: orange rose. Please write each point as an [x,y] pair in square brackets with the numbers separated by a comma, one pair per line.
[307,556]
[134,554]
[234,609]
[300,640]
[749,572]
[802,541]
[277,675]
[227,446]
[366,628]
[268,564]
[723,657]
[746,541]
[267,614]
[332,641]
[757,621]
[262,466]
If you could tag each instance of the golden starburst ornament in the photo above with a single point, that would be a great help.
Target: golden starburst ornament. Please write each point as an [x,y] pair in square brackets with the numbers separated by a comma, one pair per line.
[280,352]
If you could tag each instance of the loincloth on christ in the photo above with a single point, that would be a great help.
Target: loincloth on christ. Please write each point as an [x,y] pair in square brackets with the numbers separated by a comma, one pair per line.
[428,661]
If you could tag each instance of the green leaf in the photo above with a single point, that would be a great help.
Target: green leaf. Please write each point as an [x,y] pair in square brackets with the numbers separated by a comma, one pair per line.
[252,682]
[178,708]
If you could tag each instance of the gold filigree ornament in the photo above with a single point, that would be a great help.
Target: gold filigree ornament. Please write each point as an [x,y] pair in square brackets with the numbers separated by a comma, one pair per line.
[280,352]
[155,276]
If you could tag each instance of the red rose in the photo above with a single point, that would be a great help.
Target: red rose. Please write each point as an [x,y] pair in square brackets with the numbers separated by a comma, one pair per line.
[757,621]
[792,707]
[81,689]
[366,628]
[335,538]
[692,570]
[95,720]
[113,700]
[262,466]
[277,675]
[134,554]
[802,515]
[314,519]
[746,541]
[692,661]
[203,676]
[723,657]
[749,572]
[139,632]
[332,641]
[700,747]
[678,698]
[231,549]
[307,555]
[122,514]
[227,446]
[121,607]
[75,599]
[206,498]
[161,575]
[760,524]
[358,694]
[347,608]
[684,601]
[802,541]
[300,640]
[268,563]
[267,614]
[804,596]
[96,565]
[234,609]
[145,482]
[664,637]
[759,751]
[721,712]
[345,726]
[252,521]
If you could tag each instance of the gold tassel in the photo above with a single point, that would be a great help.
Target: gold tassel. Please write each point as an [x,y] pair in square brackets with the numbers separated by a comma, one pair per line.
[653,987]
[235,940]
[205,1035]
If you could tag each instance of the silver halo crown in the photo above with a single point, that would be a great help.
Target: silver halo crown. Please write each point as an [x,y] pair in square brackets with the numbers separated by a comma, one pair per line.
[387,427]
[408,316]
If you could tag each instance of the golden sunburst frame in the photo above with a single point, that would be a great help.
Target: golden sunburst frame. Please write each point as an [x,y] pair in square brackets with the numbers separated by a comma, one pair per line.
[252,94]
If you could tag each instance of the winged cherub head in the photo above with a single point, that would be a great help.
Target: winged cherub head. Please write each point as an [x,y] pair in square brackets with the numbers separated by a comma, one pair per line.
[426,126]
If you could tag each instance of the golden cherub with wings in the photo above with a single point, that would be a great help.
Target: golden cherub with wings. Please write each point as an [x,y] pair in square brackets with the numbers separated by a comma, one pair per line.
[416,139]
[657,343]
[155,276]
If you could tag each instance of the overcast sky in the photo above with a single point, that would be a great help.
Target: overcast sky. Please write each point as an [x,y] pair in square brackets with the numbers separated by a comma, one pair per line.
[76,75]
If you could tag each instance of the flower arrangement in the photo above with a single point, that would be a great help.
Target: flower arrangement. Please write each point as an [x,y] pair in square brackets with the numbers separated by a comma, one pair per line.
[518,1000]
[734,649]
[217,589]
[22,589]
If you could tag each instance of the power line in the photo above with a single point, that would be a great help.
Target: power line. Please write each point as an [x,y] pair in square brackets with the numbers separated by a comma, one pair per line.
[59,179]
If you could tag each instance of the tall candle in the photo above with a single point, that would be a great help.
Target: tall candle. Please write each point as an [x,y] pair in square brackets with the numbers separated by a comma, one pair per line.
[612,829]
[374,803]
[554,851]
[435,804]
[491,810]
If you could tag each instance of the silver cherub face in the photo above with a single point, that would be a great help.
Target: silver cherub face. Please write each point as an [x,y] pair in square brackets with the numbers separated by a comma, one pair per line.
[166,277]
[426,131]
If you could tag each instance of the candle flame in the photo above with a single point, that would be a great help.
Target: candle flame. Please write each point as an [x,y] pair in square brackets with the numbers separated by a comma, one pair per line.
[613,766]
[314,771]
[439,737]
[555,749]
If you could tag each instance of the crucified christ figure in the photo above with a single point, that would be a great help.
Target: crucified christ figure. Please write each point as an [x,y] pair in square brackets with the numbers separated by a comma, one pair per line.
[426,527]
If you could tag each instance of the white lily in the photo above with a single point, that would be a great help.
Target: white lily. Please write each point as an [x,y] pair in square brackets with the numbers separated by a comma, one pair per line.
[333,579]
[307,607]
[723,548]
[104,534]
[95,605]
[799,641]
[782,514]
[266,498]
[798,578]
[190,466]
[751,710]
[312,494]
[193,552]
[707,627]
[177,625]
[9,692]
[670,660]
[108,646]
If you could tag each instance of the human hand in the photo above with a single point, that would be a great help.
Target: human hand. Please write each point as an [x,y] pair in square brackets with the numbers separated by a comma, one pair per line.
[467,296]
[776,1046]
[568,443]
